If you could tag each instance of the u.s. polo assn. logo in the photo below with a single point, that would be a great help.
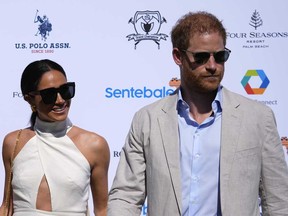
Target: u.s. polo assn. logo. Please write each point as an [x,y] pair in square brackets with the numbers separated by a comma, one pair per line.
[42,31]
[147,25]
[44,26]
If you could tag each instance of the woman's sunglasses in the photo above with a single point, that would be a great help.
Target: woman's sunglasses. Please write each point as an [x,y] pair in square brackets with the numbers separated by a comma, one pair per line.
[203,57]
[49,95]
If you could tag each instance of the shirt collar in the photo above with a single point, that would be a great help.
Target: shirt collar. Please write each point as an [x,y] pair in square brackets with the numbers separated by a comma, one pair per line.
[216,104]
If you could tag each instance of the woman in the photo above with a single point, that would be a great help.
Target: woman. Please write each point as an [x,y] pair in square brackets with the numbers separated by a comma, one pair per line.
[55,161]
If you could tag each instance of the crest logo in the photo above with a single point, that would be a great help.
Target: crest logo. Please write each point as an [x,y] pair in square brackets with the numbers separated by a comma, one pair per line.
[44,26]
[147,25]
[256,20]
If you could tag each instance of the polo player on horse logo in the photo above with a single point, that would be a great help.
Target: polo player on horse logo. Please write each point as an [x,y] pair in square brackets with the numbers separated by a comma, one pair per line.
[44,27]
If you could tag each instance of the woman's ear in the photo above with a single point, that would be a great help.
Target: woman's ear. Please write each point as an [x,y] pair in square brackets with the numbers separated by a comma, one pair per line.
[177,56]
[28,99]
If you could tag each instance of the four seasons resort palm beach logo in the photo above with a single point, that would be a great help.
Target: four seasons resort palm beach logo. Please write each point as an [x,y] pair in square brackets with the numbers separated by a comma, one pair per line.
[257,38]
[256,20]
[147,25]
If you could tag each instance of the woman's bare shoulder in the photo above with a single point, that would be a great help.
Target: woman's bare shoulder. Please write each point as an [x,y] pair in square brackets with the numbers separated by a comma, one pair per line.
[9,142]
[91,144]
[10,139]
[86,135]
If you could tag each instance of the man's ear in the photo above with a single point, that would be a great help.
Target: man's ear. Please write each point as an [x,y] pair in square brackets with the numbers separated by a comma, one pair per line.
[177,56]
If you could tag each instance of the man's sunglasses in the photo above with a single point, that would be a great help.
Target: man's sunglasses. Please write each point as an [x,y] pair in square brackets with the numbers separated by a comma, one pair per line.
[203,57]
[49,95]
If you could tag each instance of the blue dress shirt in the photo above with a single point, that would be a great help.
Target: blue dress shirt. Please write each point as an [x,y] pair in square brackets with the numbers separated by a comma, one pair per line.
[199,155]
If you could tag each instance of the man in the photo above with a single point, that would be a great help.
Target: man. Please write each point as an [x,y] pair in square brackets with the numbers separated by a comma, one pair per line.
[204,150]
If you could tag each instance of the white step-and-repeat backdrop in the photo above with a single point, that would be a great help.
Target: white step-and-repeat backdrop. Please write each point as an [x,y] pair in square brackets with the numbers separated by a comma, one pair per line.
[119,66]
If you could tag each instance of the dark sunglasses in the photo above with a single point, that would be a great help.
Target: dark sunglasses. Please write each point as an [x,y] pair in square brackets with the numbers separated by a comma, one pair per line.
[49,95]
[203,57]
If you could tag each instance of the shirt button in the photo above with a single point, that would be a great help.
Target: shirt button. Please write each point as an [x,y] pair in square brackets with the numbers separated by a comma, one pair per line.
[195,178]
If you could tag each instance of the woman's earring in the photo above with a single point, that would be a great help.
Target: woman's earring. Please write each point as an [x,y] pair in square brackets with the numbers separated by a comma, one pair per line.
[33,108]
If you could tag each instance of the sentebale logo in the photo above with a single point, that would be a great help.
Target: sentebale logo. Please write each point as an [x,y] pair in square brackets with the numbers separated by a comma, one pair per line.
[255,73]
[147,25]
[284,141]
[174,82]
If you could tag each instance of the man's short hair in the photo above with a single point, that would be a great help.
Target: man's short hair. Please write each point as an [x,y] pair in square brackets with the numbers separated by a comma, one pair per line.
[194,23]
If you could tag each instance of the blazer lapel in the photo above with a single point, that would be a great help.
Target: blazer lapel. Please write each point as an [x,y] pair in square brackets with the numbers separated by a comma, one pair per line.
[231,123]
[168,123]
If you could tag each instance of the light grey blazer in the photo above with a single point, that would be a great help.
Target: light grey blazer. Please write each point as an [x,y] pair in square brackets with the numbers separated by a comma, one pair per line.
[251,160]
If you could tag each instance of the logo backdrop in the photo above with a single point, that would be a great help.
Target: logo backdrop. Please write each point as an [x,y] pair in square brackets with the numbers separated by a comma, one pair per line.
[119,55]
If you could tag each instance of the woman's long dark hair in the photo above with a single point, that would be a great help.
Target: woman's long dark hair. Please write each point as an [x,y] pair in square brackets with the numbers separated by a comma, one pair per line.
[31,77]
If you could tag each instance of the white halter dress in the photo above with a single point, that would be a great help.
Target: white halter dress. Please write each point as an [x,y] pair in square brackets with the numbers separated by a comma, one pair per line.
[51,153]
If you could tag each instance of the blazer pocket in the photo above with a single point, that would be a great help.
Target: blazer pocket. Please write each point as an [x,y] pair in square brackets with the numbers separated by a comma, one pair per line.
[247,153]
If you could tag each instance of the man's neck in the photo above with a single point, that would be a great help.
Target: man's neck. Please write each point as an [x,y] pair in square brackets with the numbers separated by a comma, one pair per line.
[200,104]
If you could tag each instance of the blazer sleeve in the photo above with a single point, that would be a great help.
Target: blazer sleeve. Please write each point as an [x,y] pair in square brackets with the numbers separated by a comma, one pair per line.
[274,172]
[127,194]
